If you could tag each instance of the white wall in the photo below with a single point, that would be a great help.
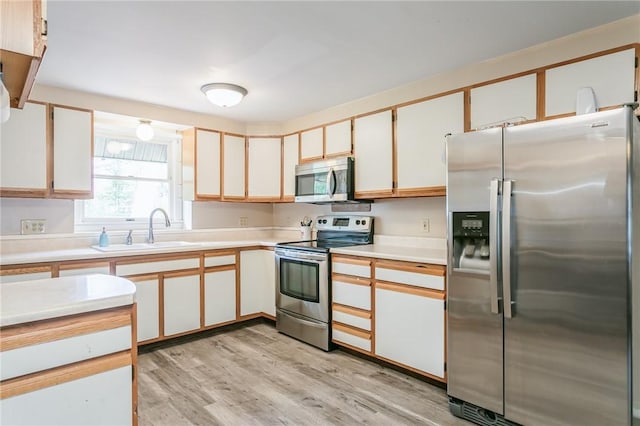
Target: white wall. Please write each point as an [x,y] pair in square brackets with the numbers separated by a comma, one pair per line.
[214,214]
[57,213]
[397,217]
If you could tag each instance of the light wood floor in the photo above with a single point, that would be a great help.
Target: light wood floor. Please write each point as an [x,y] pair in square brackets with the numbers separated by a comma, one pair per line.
[253,375]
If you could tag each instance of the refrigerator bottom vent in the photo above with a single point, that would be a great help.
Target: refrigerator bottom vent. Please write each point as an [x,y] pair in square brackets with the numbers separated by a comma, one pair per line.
[477,414]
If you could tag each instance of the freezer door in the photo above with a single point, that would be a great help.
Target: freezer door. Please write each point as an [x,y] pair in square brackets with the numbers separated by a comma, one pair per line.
[566,338]
[474,332]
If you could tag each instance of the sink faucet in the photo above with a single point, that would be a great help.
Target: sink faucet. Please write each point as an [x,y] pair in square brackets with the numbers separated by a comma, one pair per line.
[167,223]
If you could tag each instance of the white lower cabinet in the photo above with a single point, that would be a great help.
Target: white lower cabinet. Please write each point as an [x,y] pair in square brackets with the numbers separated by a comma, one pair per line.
[409,329]
[219,296]
[257,282]
[99,399]
[148,305]
[181,304]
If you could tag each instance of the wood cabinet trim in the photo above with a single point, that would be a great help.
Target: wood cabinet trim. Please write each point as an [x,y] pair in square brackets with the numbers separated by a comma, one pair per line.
[381,193]
[146,258]
[220,268]
[409,289]
[351,310]
[71,265]
[427,191]
[34,333]
[351,260]
[354,331]
[350,279]
[26,269]
[220,253]
[181,273]
[64,374]
[418,268]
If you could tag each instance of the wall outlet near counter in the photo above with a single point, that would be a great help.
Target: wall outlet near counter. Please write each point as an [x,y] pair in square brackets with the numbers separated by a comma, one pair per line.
[32,226]
[425,225]
[244,221]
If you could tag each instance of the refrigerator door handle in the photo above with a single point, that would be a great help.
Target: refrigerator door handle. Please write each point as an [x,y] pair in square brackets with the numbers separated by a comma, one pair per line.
[493,244]
[506,247]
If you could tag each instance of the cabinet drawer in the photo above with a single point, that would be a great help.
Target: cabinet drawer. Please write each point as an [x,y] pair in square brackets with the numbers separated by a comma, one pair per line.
[411,275]
[341,336]
[350,318]
[68,270]
[347,266]
[210,261]
[158,266]
[355,295]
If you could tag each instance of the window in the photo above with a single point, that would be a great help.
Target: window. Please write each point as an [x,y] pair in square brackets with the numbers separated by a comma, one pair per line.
[130,179]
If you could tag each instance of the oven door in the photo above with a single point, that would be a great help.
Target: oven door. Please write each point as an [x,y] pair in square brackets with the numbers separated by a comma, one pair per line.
[303,283]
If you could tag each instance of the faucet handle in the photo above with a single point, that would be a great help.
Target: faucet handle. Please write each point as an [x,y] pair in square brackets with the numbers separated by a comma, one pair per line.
[130,237]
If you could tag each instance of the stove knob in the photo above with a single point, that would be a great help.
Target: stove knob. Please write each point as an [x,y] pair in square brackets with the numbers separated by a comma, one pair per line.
[358,222]
[324,220]
[364,222]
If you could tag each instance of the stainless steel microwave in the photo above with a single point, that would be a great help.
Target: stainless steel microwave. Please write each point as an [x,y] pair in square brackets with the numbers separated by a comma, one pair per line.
[325,181]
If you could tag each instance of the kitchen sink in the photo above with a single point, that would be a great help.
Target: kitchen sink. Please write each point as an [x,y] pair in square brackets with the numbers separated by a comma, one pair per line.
[146,246]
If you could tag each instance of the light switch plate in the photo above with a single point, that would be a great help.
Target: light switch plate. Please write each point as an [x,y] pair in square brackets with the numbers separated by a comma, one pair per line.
[32,226]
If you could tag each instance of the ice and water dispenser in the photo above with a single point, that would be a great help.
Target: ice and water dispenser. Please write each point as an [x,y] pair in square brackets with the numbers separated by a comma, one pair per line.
[471,240]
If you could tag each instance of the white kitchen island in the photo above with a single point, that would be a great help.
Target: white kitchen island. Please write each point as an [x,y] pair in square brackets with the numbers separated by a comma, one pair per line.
[68,351]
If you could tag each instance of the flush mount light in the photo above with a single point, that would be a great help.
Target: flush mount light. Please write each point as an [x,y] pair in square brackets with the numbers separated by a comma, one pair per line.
[224,94]
[144,132]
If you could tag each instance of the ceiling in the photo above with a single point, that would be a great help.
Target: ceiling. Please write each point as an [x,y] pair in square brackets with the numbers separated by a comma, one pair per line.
[294,57]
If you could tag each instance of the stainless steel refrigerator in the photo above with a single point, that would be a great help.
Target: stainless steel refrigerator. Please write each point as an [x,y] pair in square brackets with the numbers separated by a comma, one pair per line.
[544,272]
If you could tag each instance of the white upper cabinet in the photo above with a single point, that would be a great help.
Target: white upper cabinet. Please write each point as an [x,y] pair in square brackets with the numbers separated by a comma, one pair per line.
[372,145]
[23,152]
[338,139]
[289,162]
[512,100]
[207,170]
[264,168]
[420,141]
[234,167]
[72,152]
[612,78]
[312,144]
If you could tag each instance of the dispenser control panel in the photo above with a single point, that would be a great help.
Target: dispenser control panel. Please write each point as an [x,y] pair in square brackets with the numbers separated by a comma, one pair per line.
[471,224]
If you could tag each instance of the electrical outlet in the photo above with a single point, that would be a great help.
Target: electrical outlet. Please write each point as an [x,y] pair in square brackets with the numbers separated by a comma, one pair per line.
[244,221]
[32,226]
[425,224]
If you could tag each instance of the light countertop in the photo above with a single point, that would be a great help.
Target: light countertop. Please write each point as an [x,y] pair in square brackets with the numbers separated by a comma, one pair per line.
[407,254]
[56,297]
[91,253]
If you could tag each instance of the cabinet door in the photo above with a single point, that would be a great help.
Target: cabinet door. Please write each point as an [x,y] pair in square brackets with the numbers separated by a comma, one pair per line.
[312,144]
[233,182]
[181,304]
[254,278]
[72,152]
[207,170]
[338,139]
[105,398]
[219,296]
[612,78]
[512,100]
[372,146]
[409,328]
[148,307]
[23,152]
[420,143]
[264,169]
[289,162]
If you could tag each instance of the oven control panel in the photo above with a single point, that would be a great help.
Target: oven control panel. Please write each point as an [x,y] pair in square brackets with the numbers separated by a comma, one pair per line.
[344,223]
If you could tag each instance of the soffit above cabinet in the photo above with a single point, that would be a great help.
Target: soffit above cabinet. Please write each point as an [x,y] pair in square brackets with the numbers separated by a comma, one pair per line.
[294,58]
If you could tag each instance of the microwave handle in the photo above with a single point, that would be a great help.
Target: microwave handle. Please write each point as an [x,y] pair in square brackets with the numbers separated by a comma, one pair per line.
[331,179]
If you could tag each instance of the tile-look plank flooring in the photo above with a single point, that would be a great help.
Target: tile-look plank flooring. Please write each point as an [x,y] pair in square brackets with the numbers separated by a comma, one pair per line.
[253,375]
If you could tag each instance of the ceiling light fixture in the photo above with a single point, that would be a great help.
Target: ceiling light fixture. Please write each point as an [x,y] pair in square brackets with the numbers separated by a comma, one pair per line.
[224,94]
[144,132]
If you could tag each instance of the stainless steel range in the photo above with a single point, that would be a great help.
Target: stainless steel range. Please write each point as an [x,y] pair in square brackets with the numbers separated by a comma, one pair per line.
[303,274]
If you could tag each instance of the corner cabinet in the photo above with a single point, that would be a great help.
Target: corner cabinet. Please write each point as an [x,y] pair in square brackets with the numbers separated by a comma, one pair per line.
[201,164]
[47,151]
[257,284]
[373,152]
[264,169]
[234,167]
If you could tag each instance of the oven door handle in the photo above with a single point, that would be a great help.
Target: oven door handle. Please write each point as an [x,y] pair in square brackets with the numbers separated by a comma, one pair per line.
[297,255]
[303,320]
